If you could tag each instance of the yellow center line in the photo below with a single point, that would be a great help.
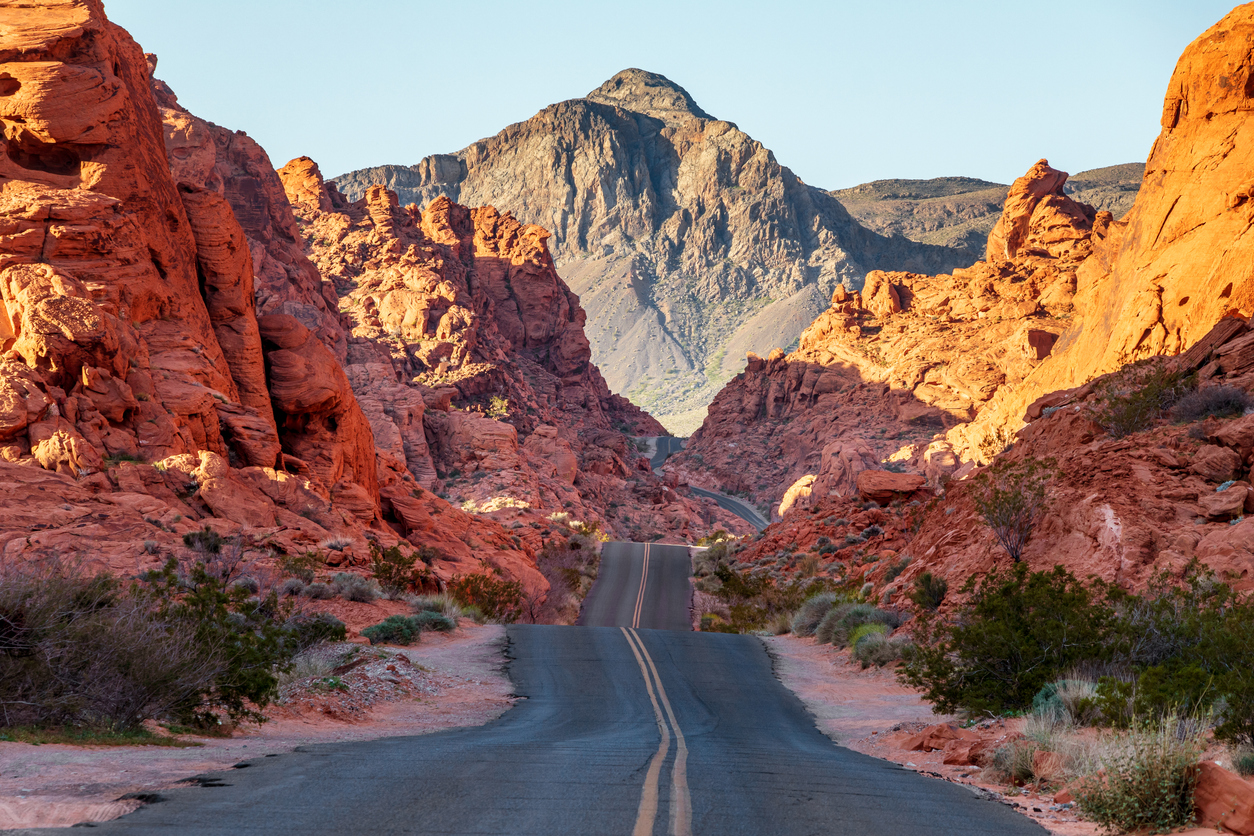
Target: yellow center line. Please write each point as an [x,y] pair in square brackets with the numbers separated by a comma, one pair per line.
[681,799]
[644,577]
[646,814]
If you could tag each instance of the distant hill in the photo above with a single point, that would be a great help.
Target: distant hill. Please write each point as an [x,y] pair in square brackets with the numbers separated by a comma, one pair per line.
[959,212]
[688,243]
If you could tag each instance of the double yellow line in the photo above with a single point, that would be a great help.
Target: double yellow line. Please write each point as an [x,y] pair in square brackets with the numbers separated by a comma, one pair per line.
[644,577]
[681,801]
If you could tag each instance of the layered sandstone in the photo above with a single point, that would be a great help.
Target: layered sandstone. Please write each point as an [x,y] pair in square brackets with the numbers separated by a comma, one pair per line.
[168,356]
[468,351]
[689,243]
[884,372]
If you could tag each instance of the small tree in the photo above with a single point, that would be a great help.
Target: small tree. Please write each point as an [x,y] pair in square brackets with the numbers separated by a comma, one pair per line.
[1010,496]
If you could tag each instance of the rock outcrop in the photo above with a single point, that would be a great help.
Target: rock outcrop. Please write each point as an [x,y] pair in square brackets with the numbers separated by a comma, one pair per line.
[468,352]
[687,241]
[960,212]
[886,371]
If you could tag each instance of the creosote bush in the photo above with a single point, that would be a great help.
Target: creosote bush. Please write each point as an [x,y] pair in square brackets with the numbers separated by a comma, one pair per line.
[1010,496]
[1132,399]
[842,620]
[352,587]
[810,614]
[396,571]
[495,598]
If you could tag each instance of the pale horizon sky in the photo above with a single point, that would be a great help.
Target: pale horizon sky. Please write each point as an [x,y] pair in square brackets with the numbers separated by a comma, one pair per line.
[842,92]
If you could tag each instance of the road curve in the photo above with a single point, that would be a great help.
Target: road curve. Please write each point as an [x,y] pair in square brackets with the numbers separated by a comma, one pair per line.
[641,585]
[741,509]
[620,731]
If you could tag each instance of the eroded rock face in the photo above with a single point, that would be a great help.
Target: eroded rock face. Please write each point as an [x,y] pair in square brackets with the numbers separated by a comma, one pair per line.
[468,352]
[689,243]
[885,370]
[141,396]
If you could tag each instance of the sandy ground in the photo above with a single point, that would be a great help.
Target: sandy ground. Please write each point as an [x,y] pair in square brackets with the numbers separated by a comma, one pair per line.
[457,680]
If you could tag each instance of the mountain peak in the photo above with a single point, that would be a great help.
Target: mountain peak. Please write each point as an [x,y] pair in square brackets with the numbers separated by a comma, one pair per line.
[648,93]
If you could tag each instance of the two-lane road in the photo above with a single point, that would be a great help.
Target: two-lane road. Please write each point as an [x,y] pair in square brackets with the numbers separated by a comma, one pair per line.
[621,730]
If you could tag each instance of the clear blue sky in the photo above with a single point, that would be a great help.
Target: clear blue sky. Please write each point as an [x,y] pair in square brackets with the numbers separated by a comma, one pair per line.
[842,92]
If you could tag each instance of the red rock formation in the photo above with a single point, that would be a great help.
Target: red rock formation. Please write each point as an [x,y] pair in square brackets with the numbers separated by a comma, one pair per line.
[887,370]
[468,352]
[141,396]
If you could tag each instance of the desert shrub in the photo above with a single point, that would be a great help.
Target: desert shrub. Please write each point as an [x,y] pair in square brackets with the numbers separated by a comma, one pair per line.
[496,599]
[395,629]
[302,566]
[305,631]
[810,613]
[396,571]
[877,648]
[752,601]
[1070,700]
[292,586]
[1132,399]
[318,591]
[352,587]
[1018,631]
[436,621]
[864,630]
[1010,496]
[929,591]
[205,541]
[1143,779]
[1012,763]
[443,603]
[872,531]
[248,584]
[1243,763]
[1212,402]
[896,569]
[854,539]
[843,619]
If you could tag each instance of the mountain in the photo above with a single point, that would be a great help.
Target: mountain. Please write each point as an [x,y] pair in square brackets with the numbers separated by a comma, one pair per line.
[688,243]
[959,212]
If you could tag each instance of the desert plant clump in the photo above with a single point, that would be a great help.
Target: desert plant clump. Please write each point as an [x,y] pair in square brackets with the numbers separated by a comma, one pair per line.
[1243,763]
[1212,402]
[1012,763]
[292,586]
[318,591]
[435,621]
[1143,779]
[842,620]
[303,566]
[808,616]
[305,631]
[352,587]
[896,569]
[1135,397]
[1010,496]
[395,629]
[495,598]
[878,648]
[929,591]
[396,571]
[443,604]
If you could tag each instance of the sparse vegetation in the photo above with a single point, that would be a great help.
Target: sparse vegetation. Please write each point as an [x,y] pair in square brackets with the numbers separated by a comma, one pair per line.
[1130,400]
[1212,402]
[395,629]
[843,619]
[1010,496]
[396,571]
[352,587]
[929,591]
[494,597]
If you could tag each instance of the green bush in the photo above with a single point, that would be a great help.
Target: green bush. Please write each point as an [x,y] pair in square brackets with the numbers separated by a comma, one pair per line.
[318,591]
[896,569]
[865,630]
[1143,780]
[1135,397]
[438,622]
[879,649]
[842,620]
[395,629]
[1243,763]
[811,613]
[929,591]
[396,571]
[307,630]
[1019,631]
[496,598]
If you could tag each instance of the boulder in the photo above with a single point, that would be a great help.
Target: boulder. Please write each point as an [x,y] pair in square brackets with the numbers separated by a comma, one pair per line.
[1215,463]
[884,486]
[1224,800]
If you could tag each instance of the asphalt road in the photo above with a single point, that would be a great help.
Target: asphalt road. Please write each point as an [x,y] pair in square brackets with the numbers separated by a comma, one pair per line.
[669,445]
[640,585]
[620,731]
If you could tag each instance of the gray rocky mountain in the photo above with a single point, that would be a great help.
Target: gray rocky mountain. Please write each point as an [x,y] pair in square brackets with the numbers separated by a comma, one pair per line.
[959,212]
[688,243]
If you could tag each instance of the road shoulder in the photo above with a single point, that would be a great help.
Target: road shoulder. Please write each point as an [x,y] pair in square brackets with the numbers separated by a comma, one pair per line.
[455,681]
